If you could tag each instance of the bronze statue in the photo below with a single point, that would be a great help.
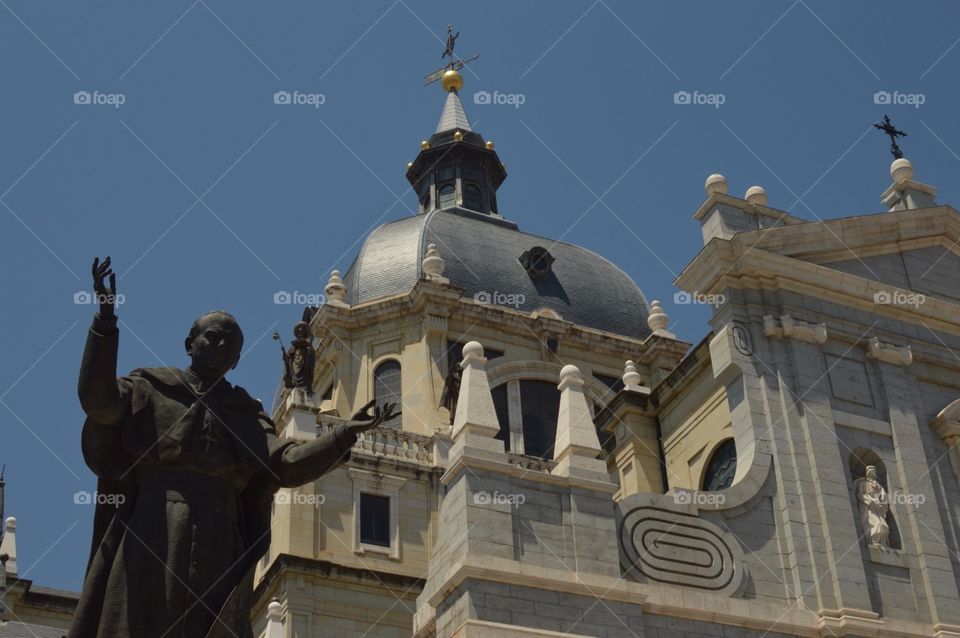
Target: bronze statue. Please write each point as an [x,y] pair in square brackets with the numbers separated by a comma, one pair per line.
[192,462]
[299,360]
[451,389]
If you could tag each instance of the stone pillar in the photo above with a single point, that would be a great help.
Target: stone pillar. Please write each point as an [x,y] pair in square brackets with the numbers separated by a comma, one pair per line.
[590,517]
[577,446]
[921,527]
[274,621]
[297,417]
[475,424]
[470,523]
[819,515]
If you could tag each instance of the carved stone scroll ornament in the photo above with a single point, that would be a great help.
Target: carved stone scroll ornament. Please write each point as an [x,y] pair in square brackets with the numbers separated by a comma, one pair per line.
[664,545]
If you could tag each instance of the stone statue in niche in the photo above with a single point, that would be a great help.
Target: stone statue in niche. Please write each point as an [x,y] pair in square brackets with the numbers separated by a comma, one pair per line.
[299,360]
[187,466]
[874,506]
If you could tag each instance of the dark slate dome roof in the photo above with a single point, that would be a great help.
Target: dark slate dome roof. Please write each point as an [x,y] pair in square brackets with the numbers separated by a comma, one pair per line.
[482,255]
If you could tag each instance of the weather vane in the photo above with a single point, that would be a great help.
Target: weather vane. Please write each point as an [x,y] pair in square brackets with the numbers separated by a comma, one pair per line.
[893,133]
[453,64]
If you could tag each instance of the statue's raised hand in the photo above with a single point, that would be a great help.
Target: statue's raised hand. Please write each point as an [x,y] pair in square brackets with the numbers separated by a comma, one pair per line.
[106,297]
[363,420]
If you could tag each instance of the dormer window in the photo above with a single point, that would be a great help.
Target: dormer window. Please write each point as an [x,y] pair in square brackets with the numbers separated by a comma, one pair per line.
[537,262]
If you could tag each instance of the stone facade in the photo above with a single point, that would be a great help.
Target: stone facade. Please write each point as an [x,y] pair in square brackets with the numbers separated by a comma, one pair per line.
[831,349]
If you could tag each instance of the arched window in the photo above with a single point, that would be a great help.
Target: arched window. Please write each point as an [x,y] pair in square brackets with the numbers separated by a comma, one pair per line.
[386,383]
[472,198]
[446,196]
[721,468]
[499,395]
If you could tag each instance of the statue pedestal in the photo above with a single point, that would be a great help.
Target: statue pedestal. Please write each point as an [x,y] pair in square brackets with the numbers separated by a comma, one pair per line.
[297,417]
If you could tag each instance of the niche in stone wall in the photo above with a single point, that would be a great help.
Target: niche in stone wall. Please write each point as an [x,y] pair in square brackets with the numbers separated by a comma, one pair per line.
[860,460]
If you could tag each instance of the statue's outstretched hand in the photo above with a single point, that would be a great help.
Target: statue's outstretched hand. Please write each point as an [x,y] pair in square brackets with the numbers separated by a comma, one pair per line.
[106,297]
[363,420]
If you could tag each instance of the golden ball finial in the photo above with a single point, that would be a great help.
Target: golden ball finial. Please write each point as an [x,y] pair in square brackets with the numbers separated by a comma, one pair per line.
[489,145]
[458,136]
[409,165]
[424,145]
[451,80]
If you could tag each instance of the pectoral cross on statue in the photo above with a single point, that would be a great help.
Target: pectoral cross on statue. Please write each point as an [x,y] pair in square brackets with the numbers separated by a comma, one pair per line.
[888,128]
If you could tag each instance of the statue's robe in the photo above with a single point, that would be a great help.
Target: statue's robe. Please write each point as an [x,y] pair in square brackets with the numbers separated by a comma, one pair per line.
[192,475]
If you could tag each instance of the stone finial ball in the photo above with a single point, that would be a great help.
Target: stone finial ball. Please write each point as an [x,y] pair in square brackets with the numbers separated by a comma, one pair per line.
[570,372]
[472,349]
[901,170]
[715,183]
[756,195]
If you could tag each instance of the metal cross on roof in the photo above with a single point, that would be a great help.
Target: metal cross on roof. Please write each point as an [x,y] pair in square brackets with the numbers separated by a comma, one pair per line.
[453,64]
[888,128]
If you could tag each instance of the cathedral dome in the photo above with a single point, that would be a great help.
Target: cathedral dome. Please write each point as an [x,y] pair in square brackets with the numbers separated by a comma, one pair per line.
[456,176]
[496,263]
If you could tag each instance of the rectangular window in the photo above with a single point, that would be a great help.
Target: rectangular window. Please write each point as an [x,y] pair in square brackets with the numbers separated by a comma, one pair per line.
[374,519]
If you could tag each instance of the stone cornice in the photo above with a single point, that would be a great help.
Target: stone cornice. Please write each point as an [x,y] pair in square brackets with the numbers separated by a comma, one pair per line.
[754,209]
[333,320]
[732,264]
[328,569]
[682,602]
[533,473]
[845,236]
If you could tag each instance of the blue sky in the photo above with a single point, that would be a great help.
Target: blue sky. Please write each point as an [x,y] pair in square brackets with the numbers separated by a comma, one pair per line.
[208,195]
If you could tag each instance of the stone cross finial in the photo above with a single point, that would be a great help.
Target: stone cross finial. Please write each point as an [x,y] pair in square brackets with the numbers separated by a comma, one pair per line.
[335,290]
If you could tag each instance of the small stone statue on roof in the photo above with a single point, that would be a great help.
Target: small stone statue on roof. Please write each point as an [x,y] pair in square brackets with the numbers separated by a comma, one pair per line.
[451,389]
[299,360]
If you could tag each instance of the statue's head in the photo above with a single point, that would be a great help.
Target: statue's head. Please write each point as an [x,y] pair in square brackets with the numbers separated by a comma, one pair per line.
[301,330]
[214,344]
[871,471]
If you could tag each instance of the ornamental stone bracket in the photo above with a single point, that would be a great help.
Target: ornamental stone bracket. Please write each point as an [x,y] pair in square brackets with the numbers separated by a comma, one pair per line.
[435,319]
[788,327]
[662,542]
[889,353]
